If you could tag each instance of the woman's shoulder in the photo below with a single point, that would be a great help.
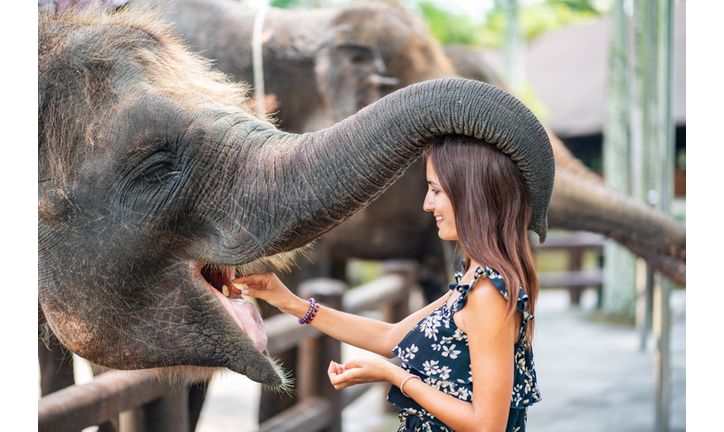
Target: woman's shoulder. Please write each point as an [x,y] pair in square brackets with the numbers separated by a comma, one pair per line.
[479,272]
[487,294]
[484,306]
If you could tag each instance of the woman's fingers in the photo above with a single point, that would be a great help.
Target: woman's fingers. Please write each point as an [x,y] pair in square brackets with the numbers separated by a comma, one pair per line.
[335,372]
[267,287]
[351,373]
[333,369]
[256,285]
[253,281]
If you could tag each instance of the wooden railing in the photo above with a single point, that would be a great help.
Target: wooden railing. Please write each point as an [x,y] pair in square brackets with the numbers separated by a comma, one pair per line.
[164,407]
[574,279]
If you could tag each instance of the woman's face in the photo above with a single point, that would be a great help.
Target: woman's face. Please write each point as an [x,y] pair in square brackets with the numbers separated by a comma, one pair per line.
[439,204]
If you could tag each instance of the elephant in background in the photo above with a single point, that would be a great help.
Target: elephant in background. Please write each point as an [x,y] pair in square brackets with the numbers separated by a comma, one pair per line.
[470,63]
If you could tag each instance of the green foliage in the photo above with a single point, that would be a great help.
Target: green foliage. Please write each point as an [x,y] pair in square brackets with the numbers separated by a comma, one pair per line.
[296,4]
[449,28]
[537,19]
[530,99]
[543,17]
[285,4]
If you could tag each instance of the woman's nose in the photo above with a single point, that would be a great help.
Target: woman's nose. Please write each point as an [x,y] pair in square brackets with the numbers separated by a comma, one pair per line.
[427,205]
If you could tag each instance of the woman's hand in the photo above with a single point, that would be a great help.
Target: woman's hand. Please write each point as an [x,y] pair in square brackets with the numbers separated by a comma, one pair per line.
[269,288]
[365,370]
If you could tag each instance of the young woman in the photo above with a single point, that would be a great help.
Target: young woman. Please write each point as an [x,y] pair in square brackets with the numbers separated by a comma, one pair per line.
[480,332]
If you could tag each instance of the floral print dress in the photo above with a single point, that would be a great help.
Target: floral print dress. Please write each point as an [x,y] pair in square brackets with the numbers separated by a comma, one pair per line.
[437,351]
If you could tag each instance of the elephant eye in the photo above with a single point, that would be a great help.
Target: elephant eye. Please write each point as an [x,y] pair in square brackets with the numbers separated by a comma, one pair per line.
[160,173]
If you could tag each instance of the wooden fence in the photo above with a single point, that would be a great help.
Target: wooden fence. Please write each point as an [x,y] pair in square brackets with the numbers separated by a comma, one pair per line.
[163,407]
[574,278]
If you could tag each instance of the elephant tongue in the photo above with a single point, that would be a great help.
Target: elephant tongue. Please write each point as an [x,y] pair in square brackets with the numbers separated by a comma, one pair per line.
[250,321]
[246,317]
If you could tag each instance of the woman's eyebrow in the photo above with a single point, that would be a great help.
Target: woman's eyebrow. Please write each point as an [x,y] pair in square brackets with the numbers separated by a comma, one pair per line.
[430,182]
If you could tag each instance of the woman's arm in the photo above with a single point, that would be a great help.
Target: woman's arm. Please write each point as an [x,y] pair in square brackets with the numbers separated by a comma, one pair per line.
[369,334]
[491,336]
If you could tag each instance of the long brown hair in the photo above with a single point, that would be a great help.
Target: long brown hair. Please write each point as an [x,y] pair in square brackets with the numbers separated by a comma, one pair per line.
[492,211]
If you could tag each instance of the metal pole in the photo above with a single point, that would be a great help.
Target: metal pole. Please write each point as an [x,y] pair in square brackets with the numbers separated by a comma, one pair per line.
[665,149]
[638,73]
[662,366]
[619,265]
[653,147]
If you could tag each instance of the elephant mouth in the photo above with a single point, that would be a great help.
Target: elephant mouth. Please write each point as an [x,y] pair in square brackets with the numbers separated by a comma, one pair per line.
[245,315]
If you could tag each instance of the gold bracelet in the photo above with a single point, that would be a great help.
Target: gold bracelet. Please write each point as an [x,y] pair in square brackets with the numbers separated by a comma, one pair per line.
[403,384]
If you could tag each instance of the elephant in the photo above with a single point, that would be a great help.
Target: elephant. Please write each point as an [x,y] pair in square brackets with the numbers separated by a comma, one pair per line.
[470,63]
[159,182]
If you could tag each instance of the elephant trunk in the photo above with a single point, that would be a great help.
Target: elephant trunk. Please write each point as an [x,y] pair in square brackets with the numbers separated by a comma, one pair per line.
[580,204]
[329,175]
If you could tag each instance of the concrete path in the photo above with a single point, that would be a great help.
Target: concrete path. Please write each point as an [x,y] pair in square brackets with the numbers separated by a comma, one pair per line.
[592,377]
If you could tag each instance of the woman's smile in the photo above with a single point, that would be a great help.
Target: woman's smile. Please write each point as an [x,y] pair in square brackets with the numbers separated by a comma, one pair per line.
[438,203]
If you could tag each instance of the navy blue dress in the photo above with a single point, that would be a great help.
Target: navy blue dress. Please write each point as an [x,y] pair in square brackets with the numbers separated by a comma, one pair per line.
[437,351]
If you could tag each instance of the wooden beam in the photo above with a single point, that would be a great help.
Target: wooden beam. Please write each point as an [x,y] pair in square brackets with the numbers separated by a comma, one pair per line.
[311,415]
[570,278]
[77,407]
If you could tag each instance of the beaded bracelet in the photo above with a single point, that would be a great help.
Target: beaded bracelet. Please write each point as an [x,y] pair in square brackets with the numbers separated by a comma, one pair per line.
[402,386]
[311,313]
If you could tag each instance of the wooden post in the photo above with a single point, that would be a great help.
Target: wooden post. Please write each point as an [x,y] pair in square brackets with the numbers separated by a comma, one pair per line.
[167,414]
[399,310]
[315,354]
[575,259]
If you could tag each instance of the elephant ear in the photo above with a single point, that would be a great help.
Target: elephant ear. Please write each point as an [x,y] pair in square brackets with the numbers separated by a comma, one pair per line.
[350,76]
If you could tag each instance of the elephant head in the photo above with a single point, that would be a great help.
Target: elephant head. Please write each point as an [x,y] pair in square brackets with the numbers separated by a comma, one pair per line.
[157,185]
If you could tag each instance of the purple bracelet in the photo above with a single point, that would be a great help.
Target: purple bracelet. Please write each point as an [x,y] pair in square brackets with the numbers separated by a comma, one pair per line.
[311,313]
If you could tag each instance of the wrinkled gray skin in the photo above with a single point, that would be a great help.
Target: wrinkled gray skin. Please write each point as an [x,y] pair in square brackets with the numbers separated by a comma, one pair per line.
[156,184]
[299,41]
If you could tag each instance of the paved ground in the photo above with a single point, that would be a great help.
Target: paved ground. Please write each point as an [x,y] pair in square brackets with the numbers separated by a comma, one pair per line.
[592,377]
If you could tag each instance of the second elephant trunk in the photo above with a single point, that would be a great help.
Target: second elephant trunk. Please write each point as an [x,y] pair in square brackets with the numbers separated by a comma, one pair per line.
[580,204]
